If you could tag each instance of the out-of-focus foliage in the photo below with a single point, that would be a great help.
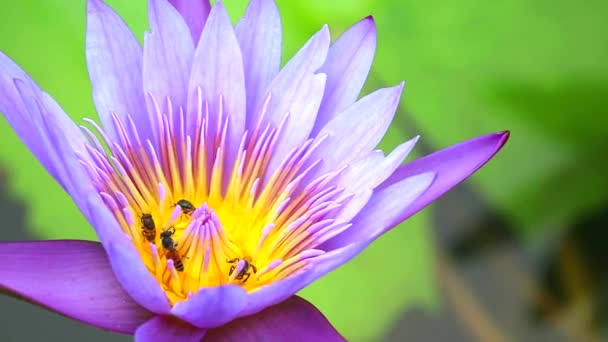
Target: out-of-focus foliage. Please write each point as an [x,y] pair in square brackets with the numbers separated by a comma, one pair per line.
[537,68]
[471,67]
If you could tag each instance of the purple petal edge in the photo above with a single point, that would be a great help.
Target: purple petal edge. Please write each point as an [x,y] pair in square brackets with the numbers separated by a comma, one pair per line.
[72,278]
[295,319]
[114,61]
[195,13]
[222,304]
[217,76]
[452,165]
[348,63]
[259,35]
[167,59]
[167,328]
[126,262]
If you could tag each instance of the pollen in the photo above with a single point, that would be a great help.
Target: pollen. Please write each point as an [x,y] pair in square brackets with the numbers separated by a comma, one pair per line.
[203,212]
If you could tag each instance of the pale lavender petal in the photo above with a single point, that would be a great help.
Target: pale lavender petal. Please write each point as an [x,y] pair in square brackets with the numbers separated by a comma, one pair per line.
[60,142]
[168,51]
[348,63]
[114,59]
[217,70]
[259,35]
[363,176]
[17,112]
[213,306]
[59,139]
[295,319]
[72,278]
[195,14]
[126,261]
[167,328]
[358,129]
[298,90]
[136,279]
[72,133]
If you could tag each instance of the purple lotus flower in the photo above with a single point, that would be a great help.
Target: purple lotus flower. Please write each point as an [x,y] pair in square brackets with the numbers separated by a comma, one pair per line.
[219,184]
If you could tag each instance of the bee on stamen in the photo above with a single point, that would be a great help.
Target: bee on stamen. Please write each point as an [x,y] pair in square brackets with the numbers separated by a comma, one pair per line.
[187,207]
[148,227]
[170,246]
[245,272]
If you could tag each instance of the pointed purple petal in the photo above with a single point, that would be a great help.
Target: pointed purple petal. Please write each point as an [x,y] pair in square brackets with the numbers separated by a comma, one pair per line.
[297,90]
[167,328]
[212,307]
[72,278]
[168,51]
[24,105]
[347,65]
[195,14]
[259,35]
[452,165]
[358,129]
[217,69]
[292,320]
[127,263]
[114,59]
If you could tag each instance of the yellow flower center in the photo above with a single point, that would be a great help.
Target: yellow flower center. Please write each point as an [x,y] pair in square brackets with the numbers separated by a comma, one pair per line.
[203,213]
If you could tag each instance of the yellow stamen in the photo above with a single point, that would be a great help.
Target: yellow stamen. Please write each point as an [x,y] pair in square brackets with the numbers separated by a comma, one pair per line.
[248,226]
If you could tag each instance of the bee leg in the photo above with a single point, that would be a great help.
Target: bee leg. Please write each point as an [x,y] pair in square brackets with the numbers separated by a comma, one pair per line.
[247,275]
[231,270]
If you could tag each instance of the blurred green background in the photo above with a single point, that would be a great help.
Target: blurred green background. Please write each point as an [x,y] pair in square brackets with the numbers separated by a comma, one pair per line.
[537,68]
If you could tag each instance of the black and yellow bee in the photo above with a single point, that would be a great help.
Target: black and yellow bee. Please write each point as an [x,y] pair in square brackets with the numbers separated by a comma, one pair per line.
[148,227]
[245,272]
[170,246]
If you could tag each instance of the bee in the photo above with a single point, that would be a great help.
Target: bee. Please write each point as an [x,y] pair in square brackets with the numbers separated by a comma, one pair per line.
[170,246]
[148,227]
[187,207]
[245,272]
